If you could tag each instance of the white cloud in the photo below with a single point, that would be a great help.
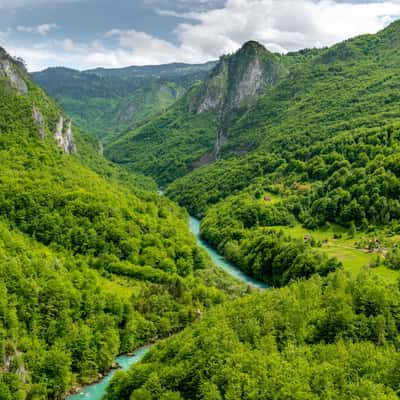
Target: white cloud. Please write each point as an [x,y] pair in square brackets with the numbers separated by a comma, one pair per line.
[281,25]
[43,29]
[143,48]
[285,24]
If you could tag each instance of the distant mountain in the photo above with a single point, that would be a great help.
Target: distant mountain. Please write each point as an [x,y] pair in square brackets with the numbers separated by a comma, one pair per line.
[193,131]
[107,102]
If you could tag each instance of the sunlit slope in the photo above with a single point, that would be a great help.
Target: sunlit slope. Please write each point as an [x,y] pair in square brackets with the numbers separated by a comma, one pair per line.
[91,263]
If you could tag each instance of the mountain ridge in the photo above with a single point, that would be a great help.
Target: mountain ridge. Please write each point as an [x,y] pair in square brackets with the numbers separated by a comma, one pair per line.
[207,109]
[108,102]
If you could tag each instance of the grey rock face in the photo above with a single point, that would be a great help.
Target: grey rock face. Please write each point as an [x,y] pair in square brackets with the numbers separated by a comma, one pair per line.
[13,362]
[250,85]
[212,93]
[40,122]
[235,82]
[8,70]
[65,140]
[59,132]
[69,145]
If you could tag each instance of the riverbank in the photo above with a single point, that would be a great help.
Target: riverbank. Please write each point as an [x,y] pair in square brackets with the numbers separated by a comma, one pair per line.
[97,389]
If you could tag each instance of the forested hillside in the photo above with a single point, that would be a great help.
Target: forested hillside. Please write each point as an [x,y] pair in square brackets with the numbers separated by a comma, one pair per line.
[91,263]
[333,122]
[307,185]
[107,102]
[291,162]
[194,131]
[321,162]
[334,338]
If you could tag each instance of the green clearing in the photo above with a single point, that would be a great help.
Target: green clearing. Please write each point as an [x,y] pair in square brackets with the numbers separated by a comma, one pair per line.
[344,248]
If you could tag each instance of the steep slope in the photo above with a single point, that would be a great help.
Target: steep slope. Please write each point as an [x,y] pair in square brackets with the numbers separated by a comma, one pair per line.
[324,168]
[321,339]
[321,174]
[107,102]
[336,105]
[192,132]
[90,265]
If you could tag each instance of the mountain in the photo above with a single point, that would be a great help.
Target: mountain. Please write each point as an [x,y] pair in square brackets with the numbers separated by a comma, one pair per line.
[327,110]
[302,97]
[308,146]
[193,131]
[314,160]
[308,176]
[107,102]
[93,263]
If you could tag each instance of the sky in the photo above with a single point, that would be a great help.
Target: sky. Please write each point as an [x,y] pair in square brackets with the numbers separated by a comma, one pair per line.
[85,34]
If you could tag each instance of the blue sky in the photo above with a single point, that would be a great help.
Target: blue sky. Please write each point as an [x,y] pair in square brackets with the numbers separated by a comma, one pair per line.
[85,34]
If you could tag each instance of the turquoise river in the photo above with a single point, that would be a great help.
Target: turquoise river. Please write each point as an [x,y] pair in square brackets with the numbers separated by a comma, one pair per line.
[97,390]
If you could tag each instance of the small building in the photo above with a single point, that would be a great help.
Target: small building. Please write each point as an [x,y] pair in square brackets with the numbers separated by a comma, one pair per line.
[267,199]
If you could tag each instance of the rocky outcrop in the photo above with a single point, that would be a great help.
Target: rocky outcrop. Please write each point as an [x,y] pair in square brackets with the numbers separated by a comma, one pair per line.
[64,136]
[40,122]
[9,70]
[212,92]
[13,362]
[251,85]
[238,79]
[213,155]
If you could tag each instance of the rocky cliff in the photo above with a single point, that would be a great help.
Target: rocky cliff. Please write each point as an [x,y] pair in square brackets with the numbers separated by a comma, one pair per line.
[14,75]
[13,71]
[64,136]
[196,130]
[238,79]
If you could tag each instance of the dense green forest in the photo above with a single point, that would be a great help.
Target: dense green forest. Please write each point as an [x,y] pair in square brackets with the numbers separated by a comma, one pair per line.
[303,192]
[292,163]
[92,264]
[107,102]
[332,338]
[192,131]
[321,150]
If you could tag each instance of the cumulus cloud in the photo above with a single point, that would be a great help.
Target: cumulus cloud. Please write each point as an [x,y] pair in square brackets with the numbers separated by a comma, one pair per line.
[43,29]
[281,25]
[144,48]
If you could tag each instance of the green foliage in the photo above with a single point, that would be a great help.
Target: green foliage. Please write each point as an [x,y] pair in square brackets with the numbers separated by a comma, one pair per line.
[325,140]
[334,338]
[175,139]
[191,132]
[91,264]
[392,260]
[208,185]
[238,228]
[109,102]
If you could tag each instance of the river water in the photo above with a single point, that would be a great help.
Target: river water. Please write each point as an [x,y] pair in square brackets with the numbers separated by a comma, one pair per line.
[221,261]
[98,390]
